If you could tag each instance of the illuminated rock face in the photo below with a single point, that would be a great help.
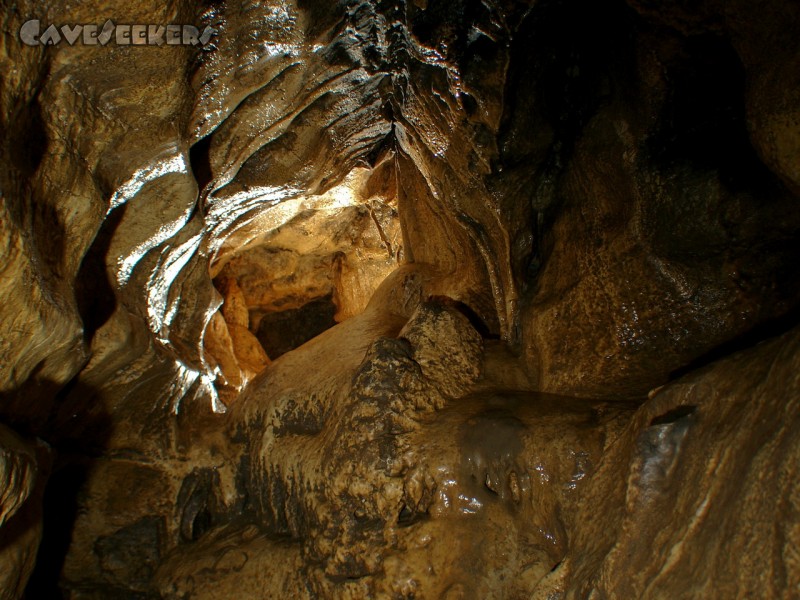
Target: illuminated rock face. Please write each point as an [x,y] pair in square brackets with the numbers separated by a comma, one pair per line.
[535,246]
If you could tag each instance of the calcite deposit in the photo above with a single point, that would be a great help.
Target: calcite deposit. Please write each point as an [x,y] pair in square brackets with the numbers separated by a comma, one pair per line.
[415,299]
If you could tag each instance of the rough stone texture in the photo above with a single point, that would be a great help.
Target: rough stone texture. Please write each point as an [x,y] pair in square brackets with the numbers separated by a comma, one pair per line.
[504,199]
[699,496]
[663,228]
[242,561]
[343,242]
[23,471]
[386,475]
[18,470]
[239,353]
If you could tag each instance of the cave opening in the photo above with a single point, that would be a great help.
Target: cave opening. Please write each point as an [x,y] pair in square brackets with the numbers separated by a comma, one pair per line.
[289,329]
[294,275]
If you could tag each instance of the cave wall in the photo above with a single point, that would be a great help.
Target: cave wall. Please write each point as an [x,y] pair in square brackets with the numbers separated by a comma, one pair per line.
[553,209]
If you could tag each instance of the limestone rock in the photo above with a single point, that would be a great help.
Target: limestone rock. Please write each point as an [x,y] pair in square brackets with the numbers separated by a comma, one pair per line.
[234,307]
[219,345]
[249,351]
[242,562]
[703,500]
[23,471]
[18,473]
[375,495]
[517,219]
[445,345]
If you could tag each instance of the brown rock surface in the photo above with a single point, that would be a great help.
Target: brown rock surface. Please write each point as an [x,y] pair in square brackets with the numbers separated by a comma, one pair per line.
[699,495]
[471,235]
[23,471]
[388,485]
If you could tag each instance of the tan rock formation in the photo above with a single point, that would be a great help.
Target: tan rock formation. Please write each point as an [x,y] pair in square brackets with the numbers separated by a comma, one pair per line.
[369,299]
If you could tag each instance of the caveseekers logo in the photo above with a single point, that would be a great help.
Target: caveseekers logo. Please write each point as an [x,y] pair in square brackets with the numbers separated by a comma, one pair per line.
[33,34]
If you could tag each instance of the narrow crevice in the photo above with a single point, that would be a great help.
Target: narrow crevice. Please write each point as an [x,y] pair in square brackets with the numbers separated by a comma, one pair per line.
[200,160]
[94,290]
[760,333]
[473,317]
[676,414]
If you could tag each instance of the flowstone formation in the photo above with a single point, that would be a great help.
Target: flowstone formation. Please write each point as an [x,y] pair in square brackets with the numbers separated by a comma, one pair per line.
[414,299]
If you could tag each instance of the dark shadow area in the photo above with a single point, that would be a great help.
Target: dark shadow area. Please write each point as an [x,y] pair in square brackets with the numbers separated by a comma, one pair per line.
[466,310]
[448,22]
[26,143]
[20,530]
[74,449]
[27,138]
[94,292]
[584,54]
[200,160]
[760,333]
[197,504]
[676,414]
[77,447]
[584,59]
[60,511]
[280,332]
[704,123]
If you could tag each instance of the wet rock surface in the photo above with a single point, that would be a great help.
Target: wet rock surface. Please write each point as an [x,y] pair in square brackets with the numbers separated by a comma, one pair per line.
[704,474]
[400,481]
[508,223]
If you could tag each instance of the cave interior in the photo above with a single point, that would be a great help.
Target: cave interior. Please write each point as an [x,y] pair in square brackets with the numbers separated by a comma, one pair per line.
[401,299]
